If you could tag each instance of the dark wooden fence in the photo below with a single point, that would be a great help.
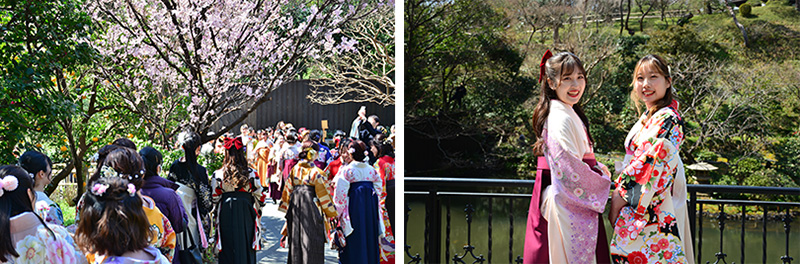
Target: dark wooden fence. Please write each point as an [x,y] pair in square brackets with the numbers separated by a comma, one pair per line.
[289,104]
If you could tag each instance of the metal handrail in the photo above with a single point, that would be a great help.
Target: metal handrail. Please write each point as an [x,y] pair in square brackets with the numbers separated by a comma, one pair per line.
[437,188]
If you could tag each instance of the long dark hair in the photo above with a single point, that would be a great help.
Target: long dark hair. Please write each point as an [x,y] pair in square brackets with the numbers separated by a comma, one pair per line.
[13,203]
[234,167]
[151,158]
[113,222]
[34,162]
[658,64]
[191,141]
[384,147]
[563,63]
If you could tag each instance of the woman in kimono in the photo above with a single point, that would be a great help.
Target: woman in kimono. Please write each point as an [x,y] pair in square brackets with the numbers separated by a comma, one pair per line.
[238,196]
[40,167]
[262,150]
[24,235]
[307,204]
[357,204]
[193,188]
[648,206]
[115,228]
[571,188]
[382,148]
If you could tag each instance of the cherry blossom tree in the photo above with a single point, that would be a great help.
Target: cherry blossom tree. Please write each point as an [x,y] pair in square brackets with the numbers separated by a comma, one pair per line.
[361,70]
[193,62]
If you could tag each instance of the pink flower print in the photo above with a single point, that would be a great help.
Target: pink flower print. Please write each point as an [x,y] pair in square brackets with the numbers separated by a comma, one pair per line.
[559,175]
[663,243]
[654,248]
[575,177]
[623,232]
[596,205]
[633,235]
[578,192]
[667,254]
[635,168]
[55,251]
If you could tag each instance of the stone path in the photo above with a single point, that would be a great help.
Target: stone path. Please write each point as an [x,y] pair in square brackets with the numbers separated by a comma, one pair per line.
[271,222]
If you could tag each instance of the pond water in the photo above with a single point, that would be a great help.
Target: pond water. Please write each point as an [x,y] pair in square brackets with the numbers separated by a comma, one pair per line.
[503,236]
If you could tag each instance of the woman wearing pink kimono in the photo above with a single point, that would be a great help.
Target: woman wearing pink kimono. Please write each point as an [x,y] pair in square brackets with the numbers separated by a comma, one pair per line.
[571,189]
[648,206]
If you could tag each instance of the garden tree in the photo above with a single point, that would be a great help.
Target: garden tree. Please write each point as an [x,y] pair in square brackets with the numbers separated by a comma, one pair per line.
[720,101]
[44,45]
[623,20]
[736,22]
[462,83]
[363,69]
[552,14]
[220,58]
[641,3]
[41,40]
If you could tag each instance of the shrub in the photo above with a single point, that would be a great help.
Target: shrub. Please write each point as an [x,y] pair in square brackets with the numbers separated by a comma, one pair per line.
[746,10]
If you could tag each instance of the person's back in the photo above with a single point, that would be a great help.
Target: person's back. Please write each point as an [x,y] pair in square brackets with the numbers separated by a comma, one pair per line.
[29,239]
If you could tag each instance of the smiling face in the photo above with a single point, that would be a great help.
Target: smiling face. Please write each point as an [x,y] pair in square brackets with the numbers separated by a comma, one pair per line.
[650,84]
[570,87]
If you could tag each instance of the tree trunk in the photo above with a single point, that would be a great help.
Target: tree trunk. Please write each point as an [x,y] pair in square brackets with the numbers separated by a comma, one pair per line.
[621,18]
[739,25]
[628,18]
[641,19]
[555,34]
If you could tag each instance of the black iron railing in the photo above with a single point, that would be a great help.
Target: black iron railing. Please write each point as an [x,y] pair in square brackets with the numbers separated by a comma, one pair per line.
[439,193]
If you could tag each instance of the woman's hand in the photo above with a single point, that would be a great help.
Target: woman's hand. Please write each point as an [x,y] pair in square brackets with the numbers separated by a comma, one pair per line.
[603,169]
[616,206]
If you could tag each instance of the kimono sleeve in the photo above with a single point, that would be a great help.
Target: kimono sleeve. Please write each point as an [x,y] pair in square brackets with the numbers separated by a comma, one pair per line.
[576,183]
[340,198]
[652,168]
[321,189]
[287,192]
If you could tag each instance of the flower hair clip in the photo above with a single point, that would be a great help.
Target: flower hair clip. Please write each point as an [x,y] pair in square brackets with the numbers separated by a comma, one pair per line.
[107,171]
[9,183]
[131,189]
[99,189]
[351,150]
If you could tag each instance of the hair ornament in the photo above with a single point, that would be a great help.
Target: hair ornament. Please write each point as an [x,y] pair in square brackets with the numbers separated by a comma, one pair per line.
[99,188]
[131,189]
[545,57]
[107,171]
[366,153]
[311,154]
[32,176]
[9,183]
[235,143]
[351,150]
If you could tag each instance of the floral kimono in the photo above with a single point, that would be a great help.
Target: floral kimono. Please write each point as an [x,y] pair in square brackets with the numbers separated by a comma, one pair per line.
[35,244]
[647,229]
[573,201]
[48,210]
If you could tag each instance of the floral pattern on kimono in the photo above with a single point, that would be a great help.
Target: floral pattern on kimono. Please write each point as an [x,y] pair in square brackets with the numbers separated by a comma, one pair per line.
[358,171]
[385,168]
[45,247]
[646,229]
[48,210]
[582,191]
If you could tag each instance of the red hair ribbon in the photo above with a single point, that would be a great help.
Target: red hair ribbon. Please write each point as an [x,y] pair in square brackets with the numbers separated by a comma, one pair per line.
[234,143]
[547,55]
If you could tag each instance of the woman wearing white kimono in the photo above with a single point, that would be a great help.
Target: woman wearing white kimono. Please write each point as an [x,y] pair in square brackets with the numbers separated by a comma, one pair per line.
[564,223]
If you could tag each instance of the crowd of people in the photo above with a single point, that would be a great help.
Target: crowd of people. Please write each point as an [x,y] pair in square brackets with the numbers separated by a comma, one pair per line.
[338,192]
